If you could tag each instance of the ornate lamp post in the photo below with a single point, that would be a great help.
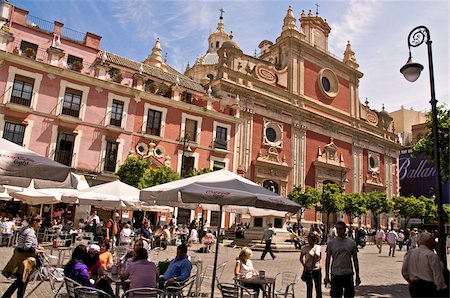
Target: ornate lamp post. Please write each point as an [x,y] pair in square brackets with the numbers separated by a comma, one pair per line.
[411,70]
[185,149]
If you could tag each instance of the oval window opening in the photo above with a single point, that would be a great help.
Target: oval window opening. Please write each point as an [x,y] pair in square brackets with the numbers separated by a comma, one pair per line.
[326,84]
[271,134]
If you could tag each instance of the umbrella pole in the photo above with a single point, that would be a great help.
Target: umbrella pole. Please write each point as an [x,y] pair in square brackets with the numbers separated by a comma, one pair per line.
[216,253]
[41,210]
[114,224]
[51,212]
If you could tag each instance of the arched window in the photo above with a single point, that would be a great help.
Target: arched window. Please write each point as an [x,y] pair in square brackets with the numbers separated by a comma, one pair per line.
[217,44]
[271,185]
[210,77]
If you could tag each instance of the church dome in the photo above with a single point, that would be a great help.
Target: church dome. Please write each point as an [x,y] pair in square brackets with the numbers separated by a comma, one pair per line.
[230,44]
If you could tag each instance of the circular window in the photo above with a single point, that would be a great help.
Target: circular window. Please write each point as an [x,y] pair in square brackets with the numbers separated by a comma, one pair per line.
[272,134]
[159,151]
[142,149]
[328,83]
[271,185]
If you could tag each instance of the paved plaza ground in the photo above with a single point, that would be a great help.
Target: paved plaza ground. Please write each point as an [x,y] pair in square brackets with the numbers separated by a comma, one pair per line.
[380,274]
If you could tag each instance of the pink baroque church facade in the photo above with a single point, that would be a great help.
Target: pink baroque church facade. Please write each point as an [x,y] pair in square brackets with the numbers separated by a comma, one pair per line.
[288,116]
[302,122]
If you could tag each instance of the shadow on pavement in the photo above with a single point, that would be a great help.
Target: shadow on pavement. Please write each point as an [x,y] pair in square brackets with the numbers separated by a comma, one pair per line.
[395,290]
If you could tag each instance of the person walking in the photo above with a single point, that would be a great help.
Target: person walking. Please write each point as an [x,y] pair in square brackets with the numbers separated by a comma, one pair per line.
[343,251]
[311,259]
[392,238]
[24,256]
[267,237]
[379,238]
[423,270]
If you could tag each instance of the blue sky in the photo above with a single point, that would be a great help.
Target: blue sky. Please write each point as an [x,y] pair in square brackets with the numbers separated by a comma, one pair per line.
[378,32]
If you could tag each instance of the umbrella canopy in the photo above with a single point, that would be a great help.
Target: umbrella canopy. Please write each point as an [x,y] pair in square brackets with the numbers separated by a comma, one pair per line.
[18,161]
[220,187]
[111,195]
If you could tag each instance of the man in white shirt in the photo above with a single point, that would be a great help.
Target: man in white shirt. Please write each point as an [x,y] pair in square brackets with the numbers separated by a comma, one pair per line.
[379,238]
[267,237]
[392,238]
[422,268]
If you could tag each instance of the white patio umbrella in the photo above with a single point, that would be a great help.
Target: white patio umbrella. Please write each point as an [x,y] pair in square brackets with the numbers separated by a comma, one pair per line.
[18,161]
[111,195]
[221,188]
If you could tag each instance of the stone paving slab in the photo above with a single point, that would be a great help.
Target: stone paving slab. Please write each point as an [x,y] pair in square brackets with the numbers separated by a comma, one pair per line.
[380,274]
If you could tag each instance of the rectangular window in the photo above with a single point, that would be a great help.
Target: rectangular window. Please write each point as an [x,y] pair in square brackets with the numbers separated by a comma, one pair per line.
[257,221]
[278,223]
[187,165]
[22,90]
[111,156]
[214,221]
[74,62]
[14,132]
[72,102]
[64,148]
[116,113]
[221,138]
[218,165]
[28,49]
[190,130]
[187,97]
[153,123]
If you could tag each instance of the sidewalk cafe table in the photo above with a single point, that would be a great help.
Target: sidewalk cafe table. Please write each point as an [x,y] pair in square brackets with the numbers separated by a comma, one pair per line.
[61,253]
[267,284]
[115,278]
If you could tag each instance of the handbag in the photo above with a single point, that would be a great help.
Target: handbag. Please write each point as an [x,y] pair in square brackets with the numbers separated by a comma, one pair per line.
[306,275]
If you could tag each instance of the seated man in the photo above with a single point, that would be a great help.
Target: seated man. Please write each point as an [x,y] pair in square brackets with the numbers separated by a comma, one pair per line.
[142,273]
[179,268]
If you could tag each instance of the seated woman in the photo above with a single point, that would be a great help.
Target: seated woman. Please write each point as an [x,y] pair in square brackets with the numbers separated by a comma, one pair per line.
[244,269]
[106,258]
[95,269]
[125,235]
[76,268]
[208,240]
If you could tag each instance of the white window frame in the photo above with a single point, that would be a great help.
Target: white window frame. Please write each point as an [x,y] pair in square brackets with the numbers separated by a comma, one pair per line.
[278,127]
[163,111]
[76,145]
[126,103]
[228,127]
[12,72]
[188,154]
[199,120]
[62,91]
[219,159]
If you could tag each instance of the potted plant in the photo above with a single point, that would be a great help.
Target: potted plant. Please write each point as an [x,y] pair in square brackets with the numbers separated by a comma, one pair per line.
[30,53]
[118,77]
[16,51]
[77,65]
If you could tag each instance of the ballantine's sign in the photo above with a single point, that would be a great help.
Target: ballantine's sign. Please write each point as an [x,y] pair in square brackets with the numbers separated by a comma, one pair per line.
[417,177]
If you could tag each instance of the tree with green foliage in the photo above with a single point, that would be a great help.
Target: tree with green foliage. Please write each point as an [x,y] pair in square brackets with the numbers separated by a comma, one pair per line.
[378,203]
[160,175]
[430,214]
[306,199]
[425,145]
[134,171]
[195,172]
[354,205]
[331,201]
[409,207]
[446,214]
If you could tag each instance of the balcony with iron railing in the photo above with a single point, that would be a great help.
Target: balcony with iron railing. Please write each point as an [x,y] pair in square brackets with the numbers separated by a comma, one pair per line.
[48,27]
[64,157]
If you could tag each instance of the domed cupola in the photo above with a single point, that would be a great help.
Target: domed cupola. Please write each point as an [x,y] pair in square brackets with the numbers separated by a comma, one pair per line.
[219,36]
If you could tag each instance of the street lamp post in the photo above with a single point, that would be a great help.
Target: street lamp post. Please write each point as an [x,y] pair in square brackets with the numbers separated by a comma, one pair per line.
[411,70]
[185,148]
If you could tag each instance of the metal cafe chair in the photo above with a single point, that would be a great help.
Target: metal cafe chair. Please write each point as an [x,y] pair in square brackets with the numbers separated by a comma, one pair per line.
[89,292]
[286,284]
[144,293]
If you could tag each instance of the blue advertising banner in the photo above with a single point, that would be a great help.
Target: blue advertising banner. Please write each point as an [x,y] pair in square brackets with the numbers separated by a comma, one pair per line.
[417,177]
